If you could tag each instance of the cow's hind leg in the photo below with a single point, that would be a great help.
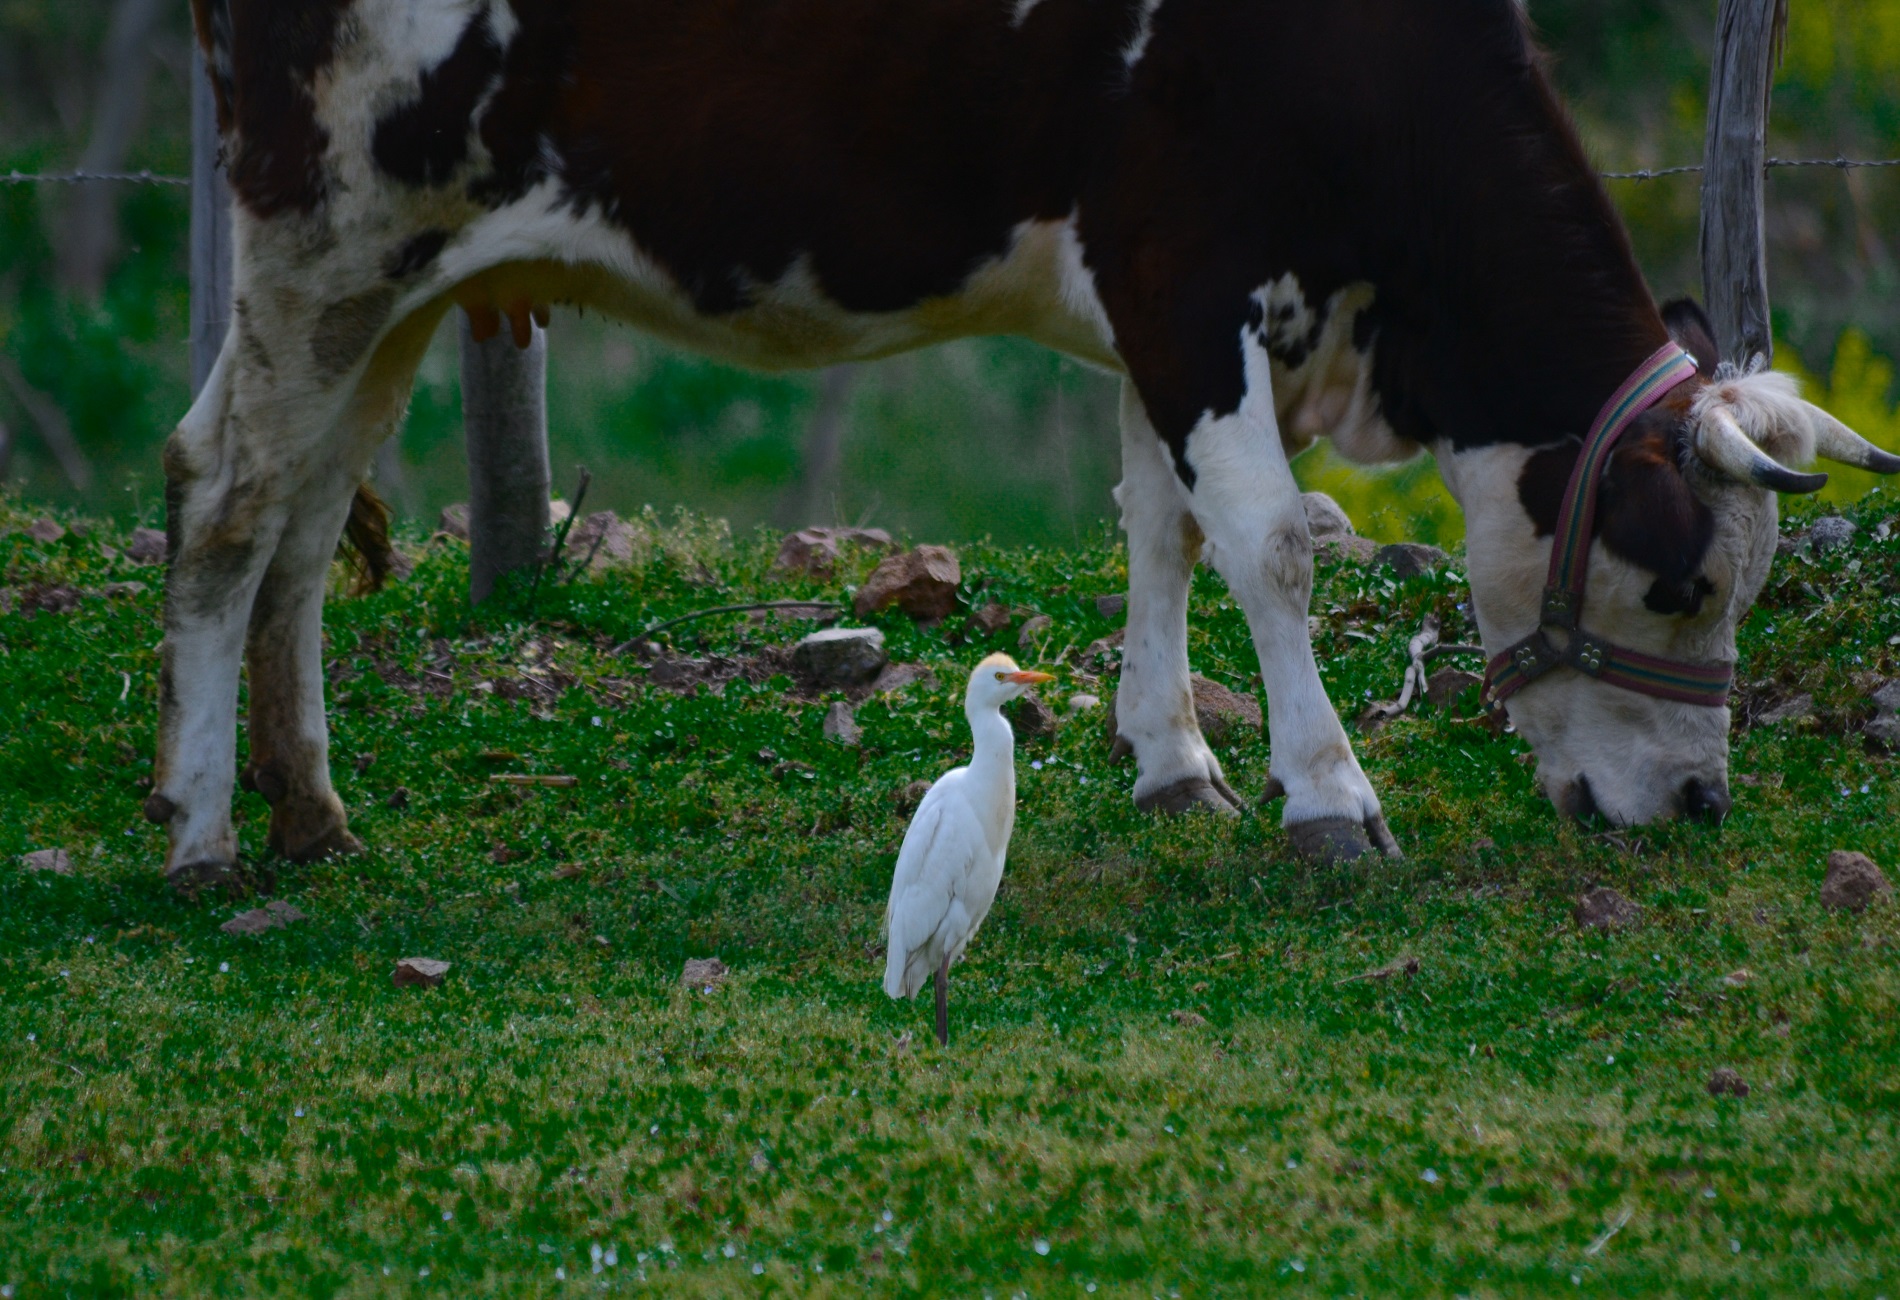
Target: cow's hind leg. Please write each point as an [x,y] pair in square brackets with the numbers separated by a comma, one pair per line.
[289,760]
[1154,707]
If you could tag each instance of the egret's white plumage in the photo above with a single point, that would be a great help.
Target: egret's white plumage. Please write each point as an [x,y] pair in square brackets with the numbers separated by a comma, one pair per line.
[952,859]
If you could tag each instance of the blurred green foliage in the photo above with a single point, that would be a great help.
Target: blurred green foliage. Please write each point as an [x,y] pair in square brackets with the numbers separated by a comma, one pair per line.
[987,436]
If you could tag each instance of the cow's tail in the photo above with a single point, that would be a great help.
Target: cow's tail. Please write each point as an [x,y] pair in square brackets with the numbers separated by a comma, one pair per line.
[366,546]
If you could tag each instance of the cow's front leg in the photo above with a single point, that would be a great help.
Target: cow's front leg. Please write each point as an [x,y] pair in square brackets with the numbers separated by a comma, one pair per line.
[1247,502]
[1154,707]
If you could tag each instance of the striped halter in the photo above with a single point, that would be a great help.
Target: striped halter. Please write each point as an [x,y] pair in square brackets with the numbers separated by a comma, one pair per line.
[1560,640]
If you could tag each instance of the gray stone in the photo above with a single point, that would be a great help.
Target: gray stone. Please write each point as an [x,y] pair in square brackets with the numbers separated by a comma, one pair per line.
[1031,718]
[1083,703]
[1853,881]
[1113,606]
[1885,729]
[1033,628]
[603,540]
[1444,687]
[1409,559]
[990,619]
[1325,518]
[1727,1082]
[815,551]
[420,972]
[57,861]
[274,915]
[454,520]
[1789,710]
[1105,654]
[922,582]
[841,725]
[1335,550]
[45,530]
[705,973]
[1830,532]
[1222,715]
[148,546]
[841,656]
[1605,909]
[910,796]
[1887,697]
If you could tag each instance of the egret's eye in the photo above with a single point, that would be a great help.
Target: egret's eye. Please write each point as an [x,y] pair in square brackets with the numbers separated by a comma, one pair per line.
[999,677]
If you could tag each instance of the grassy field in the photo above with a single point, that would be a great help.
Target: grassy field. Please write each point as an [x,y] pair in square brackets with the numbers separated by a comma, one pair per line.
[1156,1084]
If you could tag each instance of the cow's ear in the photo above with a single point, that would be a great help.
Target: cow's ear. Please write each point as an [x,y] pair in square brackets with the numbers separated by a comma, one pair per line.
[1646,511]
[1689,326]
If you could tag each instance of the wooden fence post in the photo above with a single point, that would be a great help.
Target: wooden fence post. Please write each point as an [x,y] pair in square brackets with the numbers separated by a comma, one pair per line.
[1734,255]
[210,229]
[505,428]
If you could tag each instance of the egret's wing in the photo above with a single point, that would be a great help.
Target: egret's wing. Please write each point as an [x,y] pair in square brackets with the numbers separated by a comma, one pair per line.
[944,843]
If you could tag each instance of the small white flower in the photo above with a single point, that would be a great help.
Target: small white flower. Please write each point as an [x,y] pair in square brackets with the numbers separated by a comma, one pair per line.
[613,1258]
[1298,1266]
[1042,1246]
[560,1274]
[1609,1060]
[224,968]
[757,1269]
[728,1250]
[1708,1193]
[598,722]
[447,1215]
[888,1216]
[1291,1164]
[1035,765]
[1430,1175]
[423,1273]
[1734,1246]
[299,1112]
[654,1129]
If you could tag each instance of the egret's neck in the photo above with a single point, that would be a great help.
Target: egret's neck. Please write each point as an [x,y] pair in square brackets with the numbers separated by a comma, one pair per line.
[993,764]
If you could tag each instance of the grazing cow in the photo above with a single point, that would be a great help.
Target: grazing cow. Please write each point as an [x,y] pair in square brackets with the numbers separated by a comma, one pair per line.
[1365,220]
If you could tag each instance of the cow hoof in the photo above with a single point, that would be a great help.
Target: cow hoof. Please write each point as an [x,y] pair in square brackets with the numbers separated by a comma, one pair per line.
[190,879]
[1330,840]
[1190,793]
[335,842]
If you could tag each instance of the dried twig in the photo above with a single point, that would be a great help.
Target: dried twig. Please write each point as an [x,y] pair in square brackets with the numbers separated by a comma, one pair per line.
[1416,651]
[1397,966]
[533,778]
[814,605]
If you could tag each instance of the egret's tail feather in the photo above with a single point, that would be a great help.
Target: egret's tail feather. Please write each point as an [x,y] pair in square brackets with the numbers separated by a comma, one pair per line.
[907,973]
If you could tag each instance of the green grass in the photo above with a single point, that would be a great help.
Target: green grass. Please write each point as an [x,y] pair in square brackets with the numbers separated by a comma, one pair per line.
[192,1113]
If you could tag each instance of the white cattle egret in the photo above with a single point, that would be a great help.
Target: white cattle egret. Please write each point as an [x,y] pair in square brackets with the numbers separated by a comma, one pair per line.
[952,859]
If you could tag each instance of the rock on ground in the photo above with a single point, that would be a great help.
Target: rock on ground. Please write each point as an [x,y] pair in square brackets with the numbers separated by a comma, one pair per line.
[57,861]
[1111,606]
[841,724]
[420,972]
[454,520]
[1885,726]
[1727,1082]
[1104,655]
[990,619]
[815,551]
[703,973]
[604,536]
[1033,628]
[922,582]
[1789,710]
[1360,550]
[1444,687]
[1409,559]
[841,656]
[1082,703]
[1325,518]
[148,546]
[910,796]
[1223,715]
[1830,532]
[1031,718]
[45,530]
[1605,909]
[1853,881]
[274,915]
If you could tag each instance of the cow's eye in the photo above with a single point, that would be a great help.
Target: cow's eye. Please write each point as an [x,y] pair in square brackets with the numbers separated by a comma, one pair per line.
[1683,596]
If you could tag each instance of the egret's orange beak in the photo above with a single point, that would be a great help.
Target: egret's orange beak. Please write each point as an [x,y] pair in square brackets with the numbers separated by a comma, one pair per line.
[1028,678]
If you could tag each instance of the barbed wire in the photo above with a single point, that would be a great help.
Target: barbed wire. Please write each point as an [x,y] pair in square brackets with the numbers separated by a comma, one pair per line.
[1642,174]
[75,178]
[1843,164]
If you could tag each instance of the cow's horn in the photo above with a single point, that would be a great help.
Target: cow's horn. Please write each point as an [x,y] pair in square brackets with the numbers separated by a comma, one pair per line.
[1835,441]
[1723,447]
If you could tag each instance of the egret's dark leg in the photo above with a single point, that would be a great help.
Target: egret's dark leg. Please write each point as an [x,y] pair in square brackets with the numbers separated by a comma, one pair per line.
[943,1002]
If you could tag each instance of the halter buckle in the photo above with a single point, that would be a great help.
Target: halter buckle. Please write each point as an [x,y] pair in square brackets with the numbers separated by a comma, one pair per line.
[1589,657]
[1527,660]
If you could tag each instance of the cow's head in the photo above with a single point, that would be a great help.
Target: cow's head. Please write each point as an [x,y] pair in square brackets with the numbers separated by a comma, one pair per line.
[1685,530]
